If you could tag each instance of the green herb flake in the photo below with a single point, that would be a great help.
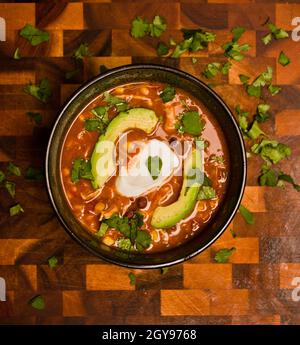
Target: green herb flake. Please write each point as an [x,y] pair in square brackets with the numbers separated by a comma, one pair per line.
[233,233]
[132,278]
[15,210]
[232,49]
[274,90]
[82,51]
[194,60]
[237,32]
[139,27]
[2,176]
[267,38]
[206,193]
[37,302]
[164,270]
[254,91]
[277,33]
[102,230]
[243,118]
[225,68]
[81,169]
[158,26]
[143,240]
[192,123]
[34,174]
[154,165]
[41,91]
[17,55]
[247,215]
[37,118]
[34,35]
[52,262]
[243,78]
[255,131]
[223,255]
[283,59]
[11,188]
[271,150]
[101,112]
[262,112]
[91,125]
[162,49]
[211,70]
[124,244]
[13,169]
[168,94]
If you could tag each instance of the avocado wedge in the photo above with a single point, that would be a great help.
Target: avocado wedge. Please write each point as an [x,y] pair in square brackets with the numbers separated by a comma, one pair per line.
[168,216]
[103,157]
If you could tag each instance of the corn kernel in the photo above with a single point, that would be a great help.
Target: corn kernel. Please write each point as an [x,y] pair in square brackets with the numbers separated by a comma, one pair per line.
[144,90]
[99,207]
[108,240]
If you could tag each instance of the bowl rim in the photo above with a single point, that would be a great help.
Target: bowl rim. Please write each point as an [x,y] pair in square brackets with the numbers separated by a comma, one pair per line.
[181,74]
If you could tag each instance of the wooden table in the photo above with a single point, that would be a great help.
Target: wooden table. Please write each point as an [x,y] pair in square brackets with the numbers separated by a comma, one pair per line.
[255,286]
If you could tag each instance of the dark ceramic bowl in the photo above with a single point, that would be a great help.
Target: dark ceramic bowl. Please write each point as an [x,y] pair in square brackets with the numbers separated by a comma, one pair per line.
[218,108]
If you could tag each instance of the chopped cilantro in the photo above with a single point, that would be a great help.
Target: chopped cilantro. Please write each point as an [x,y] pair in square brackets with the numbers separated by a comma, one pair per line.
[237,33]
[206,193]
[283,59]
[34,174]
[243,78]
[262,112]
[101,112]
[37,302]
[124,244]
[17,55]
[158,26]
[10,187]
[13,169]
[164,270]
[143,240]
[168,94]
[34,35]
[191,123]
[94,125]
[2,176]
[226,67]
[223,255]
[271,150]
[154,165]
[139,27]
[275,32]
[262,80]
[52,262]
[254,132]
[82,51]
[247,215]
[41,91]
[254,91]
[15,210]
[194,60]
[211,70]
[102,230]
[37,118]
[113,100]
[274,89]
[232,49]
[81,169]
[162,49]
[132,278]
[243,118]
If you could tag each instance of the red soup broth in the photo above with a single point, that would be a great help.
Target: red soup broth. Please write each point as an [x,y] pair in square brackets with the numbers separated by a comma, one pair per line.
[91,206]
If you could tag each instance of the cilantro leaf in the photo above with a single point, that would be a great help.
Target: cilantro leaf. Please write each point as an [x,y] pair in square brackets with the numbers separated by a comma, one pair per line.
[277,33]
[237,32]
[283,59]
[42,91]
[272,178]
[168,94]
[211,70]
[2,176]
[34,35]
[243,78]
[154,165]
[255,131]
[242,117]
[132,278]
[81,168]
[13,169]
[143,240]
[232,49]
[37,302]
[164,270]
[139,27]
[124,244]
[274,89]
[37,118]
[226,67]
[254,91]
[10,187]
[271,150]
[206,193]
[158,26]
[223,255]
[262,80]
[52,262]
[287,178]
[101,112]
[91,125]
[262,112]
[192,123]
[267,38]
[15,210]
[82,51]
[247,215]
[162,49]
[34,174]
[113,100]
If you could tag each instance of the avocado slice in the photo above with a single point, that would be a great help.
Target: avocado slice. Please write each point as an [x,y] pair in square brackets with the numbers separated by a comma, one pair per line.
[103,157]
[167,216]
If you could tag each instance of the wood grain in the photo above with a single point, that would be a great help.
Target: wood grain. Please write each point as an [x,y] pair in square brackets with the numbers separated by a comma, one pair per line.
[255,286]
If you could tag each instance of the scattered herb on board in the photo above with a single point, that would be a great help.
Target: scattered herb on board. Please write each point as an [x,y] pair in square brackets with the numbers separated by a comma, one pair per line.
[34,35]
[162,49]
[17,55]
[13,169]
[10,187]
[37,302]
[141,27]
[262,80]
[274,33]
[132,278]
[232,49]
[15,210]
[82,51]
[164,270]
[2,176]
[41,91]
[222,256]
[283,59]
[271,151]
[262,112]
[154,165]
[37,118]
[34,174]
[247,215]
[52,262]
[274,90]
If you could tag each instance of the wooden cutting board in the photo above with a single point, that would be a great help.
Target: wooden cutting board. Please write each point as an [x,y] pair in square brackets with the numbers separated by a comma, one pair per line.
[255,286]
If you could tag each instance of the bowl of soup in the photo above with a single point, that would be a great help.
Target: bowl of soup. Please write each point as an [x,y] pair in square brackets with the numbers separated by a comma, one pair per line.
[145,166]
